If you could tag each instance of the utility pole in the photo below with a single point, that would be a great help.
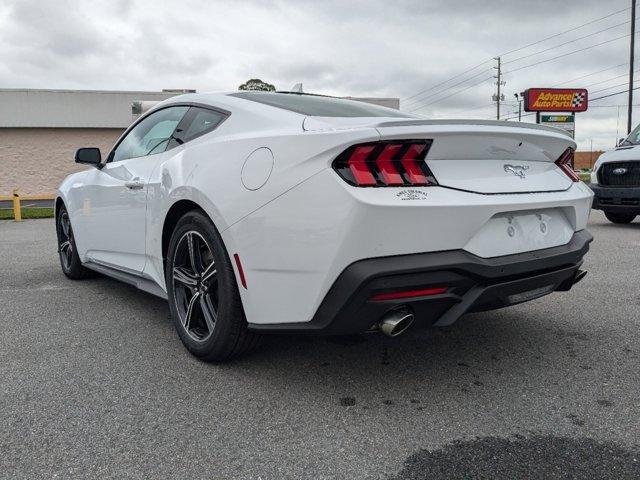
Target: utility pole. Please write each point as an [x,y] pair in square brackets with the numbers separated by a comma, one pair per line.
[499,83]
[631,55]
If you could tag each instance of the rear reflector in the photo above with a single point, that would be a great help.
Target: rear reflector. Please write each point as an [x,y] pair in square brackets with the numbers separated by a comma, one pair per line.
[426,292]
[386,164]
[243,280]
[565,163]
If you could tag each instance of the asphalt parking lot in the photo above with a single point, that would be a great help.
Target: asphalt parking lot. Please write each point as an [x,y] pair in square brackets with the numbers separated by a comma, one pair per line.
[94,383]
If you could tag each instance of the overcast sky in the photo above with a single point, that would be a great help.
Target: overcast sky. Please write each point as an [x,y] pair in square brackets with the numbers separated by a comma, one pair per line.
[368,48]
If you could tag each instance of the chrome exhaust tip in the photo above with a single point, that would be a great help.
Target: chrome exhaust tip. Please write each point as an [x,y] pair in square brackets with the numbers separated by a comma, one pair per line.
[395,322]
[580,274]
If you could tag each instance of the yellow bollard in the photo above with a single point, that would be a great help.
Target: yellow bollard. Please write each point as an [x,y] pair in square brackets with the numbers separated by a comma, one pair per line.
[17,213]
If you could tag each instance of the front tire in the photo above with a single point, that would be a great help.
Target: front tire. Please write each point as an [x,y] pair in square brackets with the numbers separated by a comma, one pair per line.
[67,251]
[203,294]
[620,217]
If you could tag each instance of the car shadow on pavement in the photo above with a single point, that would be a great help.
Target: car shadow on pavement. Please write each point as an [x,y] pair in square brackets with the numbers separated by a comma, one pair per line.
[515,348]
[480,352]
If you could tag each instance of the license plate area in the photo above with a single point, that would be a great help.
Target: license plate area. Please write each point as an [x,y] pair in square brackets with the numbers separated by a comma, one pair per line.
[508,233]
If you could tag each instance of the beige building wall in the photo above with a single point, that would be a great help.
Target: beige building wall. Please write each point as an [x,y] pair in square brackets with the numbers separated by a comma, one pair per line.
[36,160]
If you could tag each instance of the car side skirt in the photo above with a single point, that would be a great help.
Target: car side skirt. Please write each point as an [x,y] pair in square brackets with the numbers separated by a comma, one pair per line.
[140,282]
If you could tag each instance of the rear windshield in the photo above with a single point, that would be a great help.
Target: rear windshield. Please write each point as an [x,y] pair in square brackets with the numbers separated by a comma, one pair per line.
[320,106]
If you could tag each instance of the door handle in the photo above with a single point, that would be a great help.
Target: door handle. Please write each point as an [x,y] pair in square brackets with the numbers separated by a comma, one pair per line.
[135,184]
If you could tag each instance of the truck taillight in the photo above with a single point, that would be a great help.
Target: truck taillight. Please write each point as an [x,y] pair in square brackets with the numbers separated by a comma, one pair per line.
[391,163]
[565,163]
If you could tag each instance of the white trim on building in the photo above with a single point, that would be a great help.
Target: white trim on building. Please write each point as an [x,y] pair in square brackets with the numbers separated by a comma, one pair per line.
[31,108]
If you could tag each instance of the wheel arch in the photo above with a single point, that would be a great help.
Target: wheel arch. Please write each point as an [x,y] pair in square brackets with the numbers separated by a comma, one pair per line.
[58,205]
[174,214]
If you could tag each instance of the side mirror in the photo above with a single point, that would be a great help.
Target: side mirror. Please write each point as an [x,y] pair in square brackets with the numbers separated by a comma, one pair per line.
[89,156]
[621,141]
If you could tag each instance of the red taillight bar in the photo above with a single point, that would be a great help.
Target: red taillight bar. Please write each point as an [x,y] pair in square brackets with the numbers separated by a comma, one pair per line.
[412,167]
[389,172]
[425,292]
[358,166]
[386,164]
[565,163]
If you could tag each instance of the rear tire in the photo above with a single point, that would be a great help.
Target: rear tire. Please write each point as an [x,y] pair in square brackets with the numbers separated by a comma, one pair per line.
[620,217]
[67,251]
[203,294]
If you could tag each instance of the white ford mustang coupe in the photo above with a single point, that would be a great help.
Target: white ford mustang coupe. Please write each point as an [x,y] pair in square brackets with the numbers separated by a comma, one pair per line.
[255,212]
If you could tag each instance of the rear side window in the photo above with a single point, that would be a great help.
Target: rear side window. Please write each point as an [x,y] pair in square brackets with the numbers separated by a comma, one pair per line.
[200,121]
[320,106]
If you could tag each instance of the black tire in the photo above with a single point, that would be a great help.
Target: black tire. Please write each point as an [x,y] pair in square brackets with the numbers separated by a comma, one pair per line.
[620,217]
[212,326]
[67,252]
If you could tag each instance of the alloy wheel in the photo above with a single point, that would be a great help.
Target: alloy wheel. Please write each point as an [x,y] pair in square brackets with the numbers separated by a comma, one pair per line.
[65,240]
[195,286]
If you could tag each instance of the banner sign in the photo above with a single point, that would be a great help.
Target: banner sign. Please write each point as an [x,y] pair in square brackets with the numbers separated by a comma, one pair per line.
[556,100]
[565,122]
[558,118]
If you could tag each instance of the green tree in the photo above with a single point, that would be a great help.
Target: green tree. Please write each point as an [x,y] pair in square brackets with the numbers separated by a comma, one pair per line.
[257,84]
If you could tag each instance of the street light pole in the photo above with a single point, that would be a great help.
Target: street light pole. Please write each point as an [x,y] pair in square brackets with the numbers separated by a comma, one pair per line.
[631,55]
[519,99]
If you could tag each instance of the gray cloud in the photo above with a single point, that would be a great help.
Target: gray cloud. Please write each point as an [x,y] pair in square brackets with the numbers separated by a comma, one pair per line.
[336,47]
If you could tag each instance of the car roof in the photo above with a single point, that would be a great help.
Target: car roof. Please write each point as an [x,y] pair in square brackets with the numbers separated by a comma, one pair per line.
[293,103]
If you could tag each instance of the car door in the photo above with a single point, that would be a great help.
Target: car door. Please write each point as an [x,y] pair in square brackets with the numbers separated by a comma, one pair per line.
[113,218]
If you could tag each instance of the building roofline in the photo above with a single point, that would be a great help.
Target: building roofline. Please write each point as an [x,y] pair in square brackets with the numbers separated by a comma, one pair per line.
[65,90]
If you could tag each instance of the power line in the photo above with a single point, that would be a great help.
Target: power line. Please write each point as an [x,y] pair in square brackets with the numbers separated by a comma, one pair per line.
[506,53]
[519,68]
[590,106]
[607,80]
[414,102]
[591,74]
[569,53]
[515,115]
[446,81]
[451,94]
[612,94]
[612,106]
[567,43]
[565,32]
[612,86]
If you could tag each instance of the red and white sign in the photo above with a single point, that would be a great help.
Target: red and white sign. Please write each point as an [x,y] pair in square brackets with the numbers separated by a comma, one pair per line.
[556,100]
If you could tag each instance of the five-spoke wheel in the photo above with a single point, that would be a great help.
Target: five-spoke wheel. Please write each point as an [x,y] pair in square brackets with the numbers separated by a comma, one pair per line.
[203,293]
[195,286]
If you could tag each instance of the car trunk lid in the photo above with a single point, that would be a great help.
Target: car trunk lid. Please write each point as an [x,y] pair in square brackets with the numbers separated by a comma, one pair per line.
[488,157]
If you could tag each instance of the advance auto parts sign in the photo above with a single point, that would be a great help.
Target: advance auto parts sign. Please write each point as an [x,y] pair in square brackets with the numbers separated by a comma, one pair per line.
[556,100]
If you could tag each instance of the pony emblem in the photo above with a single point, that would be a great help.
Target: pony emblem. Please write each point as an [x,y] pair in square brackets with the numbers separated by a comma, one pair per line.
[517,170]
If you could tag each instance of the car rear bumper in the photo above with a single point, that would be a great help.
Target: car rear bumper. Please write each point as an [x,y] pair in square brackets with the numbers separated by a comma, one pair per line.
[616,199]
[473,284]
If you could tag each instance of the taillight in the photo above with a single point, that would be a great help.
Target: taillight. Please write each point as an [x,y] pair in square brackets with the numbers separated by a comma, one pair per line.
[386,164]
[565,163]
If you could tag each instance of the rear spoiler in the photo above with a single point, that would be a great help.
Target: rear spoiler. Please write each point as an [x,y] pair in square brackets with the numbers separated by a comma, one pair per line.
[489,123]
